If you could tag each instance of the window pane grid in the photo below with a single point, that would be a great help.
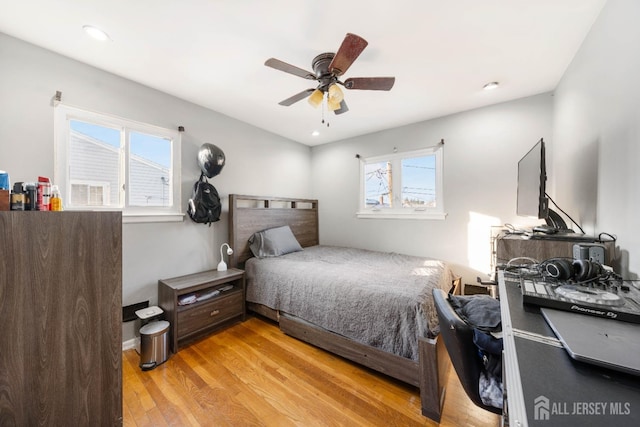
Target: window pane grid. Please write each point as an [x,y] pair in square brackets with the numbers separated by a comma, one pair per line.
[402,185]
[84,194]
[79,195]
[109,162]
[95,196]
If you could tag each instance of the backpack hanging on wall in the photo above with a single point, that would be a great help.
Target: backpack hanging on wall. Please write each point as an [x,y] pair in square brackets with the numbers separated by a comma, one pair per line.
[204,204]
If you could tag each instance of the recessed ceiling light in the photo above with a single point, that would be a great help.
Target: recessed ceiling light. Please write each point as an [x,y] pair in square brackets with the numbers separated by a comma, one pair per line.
[315,133]
[491,86]
[96,33]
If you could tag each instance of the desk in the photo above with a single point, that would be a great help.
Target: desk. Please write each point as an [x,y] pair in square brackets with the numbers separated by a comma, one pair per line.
[544,386]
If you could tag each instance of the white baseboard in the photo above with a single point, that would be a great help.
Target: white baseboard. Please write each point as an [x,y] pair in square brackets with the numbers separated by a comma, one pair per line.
[133,343]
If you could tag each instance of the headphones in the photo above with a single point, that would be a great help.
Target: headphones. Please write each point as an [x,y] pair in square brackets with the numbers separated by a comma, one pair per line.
[581,270]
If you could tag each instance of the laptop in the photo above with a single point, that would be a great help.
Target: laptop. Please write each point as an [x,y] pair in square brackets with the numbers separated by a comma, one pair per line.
[609,343]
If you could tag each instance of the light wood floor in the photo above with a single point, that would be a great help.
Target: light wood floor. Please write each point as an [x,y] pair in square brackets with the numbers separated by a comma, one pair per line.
[251,374]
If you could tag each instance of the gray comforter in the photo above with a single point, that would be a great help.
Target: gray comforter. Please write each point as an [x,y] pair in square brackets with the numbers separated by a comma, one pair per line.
[375,298]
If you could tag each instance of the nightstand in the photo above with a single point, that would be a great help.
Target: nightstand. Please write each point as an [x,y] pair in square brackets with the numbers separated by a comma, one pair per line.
[199,304]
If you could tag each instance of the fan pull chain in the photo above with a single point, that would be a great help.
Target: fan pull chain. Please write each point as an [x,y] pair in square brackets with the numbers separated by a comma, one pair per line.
[324,104]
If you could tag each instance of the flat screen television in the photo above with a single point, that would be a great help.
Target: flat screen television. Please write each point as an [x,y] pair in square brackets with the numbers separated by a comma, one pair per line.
[532,178]
[532,199]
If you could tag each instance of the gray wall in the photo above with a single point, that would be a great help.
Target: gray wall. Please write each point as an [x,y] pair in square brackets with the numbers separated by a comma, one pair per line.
[257,162]
[481,152]
[597,126]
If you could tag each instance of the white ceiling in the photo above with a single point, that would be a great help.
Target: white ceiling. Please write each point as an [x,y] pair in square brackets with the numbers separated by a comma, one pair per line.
[211,52]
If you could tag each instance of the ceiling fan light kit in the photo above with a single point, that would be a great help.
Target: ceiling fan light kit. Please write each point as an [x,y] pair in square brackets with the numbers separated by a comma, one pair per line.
[327,68]
[335,94]
[333,106]
[316,98]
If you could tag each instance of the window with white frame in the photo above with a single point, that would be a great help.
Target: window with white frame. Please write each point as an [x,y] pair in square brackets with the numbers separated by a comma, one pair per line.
[402,185]
[110,163]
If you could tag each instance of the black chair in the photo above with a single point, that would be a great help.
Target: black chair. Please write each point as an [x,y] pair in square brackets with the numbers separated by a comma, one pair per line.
[458,340]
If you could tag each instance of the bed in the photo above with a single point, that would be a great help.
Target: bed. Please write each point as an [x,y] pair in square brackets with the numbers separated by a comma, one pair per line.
[383,319]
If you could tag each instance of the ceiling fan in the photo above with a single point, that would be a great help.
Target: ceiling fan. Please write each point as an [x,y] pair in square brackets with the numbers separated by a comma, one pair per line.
[327,68]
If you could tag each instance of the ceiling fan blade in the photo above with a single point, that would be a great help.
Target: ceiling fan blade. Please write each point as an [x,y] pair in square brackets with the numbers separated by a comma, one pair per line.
[297,97]
[343,108]
[370,83]
[352,46]
[288,68]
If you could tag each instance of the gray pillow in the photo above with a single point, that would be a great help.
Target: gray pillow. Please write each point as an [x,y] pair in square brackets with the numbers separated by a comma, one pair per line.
[273,242]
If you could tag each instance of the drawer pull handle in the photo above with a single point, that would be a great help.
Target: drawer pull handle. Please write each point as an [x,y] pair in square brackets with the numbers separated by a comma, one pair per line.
[214,313]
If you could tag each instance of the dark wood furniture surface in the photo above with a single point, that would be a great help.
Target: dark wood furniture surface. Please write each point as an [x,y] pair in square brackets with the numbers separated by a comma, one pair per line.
[191,321]
[61,311]
[249,214]
[509,246]
[543,385]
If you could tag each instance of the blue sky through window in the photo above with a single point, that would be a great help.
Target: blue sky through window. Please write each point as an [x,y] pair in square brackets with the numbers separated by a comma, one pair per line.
[418,176]
[153,148]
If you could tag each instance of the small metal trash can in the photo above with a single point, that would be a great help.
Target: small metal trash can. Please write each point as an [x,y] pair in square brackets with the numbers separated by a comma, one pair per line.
[154,344]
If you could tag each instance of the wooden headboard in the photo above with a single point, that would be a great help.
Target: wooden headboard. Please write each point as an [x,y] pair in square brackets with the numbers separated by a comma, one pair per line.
[249,214]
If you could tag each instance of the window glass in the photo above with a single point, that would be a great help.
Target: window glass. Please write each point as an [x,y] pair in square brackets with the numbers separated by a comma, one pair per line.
[378,184]
[107,162]
[94,156]
[402,185]
[149,170]
[419,182]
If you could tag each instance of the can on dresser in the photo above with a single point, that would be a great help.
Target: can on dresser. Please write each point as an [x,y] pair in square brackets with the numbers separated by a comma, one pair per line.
[31,196]
[44,194]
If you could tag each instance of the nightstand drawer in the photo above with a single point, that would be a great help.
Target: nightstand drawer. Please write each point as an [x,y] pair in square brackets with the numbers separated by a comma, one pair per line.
[209,314]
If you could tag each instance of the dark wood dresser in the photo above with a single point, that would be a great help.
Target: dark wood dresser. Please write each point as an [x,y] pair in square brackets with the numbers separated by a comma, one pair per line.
[61,314]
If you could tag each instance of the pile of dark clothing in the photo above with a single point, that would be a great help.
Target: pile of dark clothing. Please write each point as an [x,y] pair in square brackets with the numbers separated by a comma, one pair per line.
[482,312]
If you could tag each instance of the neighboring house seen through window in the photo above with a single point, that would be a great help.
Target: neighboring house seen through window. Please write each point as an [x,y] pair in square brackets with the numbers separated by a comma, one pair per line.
[402,185]
[109,163]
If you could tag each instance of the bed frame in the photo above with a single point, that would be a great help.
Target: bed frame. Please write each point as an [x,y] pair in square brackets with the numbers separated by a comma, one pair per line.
[248,214]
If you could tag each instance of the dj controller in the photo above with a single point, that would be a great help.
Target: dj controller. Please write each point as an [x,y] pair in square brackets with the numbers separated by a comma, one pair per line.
[607,297]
